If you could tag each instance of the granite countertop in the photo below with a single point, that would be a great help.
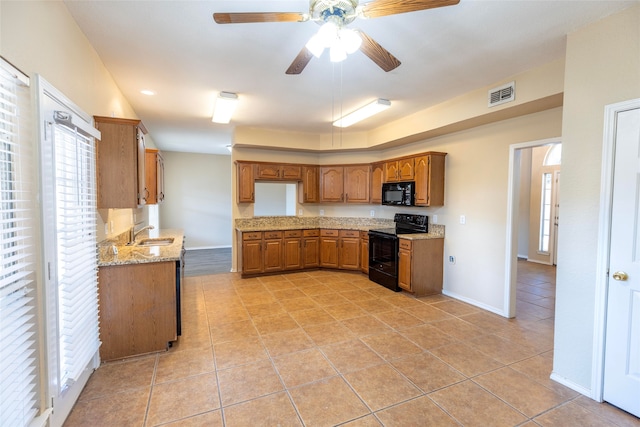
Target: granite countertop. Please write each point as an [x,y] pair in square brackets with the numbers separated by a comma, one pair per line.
[275,223]
[136,254]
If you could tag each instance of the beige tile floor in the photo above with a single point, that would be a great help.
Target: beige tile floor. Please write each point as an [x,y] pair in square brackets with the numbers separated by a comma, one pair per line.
[332,348]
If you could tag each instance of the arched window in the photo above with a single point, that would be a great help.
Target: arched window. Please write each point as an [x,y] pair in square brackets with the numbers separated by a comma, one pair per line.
[554,155]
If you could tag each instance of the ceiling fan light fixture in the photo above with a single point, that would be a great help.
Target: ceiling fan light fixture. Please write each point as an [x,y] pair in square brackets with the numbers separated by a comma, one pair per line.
[315,45]
[337,53]
[350,40]
[226,103]
[362,113]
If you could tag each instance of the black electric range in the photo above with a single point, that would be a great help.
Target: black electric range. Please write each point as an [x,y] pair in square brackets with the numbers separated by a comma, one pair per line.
[383,248]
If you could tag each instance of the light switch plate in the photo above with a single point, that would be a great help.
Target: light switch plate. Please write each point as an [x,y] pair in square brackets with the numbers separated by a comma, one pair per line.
[463,219]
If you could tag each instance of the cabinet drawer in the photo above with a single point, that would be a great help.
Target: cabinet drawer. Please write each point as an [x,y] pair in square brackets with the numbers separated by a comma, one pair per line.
[311,233]
[254,235]
[329,233]
[292,233]
[405,244]
[350,233]
[273,234]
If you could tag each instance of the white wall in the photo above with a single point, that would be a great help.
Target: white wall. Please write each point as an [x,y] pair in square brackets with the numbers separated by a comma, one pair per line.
[602,67]
[198,198]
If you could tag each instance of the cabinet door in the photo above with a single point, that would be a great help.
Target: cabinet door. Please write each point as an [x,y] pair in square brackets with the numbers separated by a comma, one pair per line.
[349,256]
[311,252]
[273,255]
[331,184]
[391,171]
[364,252]
[329,252]
[160,177]
[436,179]
[292,253]
[268,171]
[151,173]
[356,183]
[422,181]
[143,192]
[252,257]
[405,169]
[308,190]
[245,183]
[290,172]
[404,269]
[377,177]
[118,163]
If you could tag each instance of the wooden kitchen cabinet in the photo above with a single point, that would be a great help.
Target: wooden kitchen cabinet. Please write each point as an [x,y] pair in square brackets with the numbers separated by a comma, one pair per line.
[308,190]
[429,178]
[310,248]
[420,265]
[357,183]
[137,304]
[245,182]
[252,260]
[273,251]
[349,250]
[292,248]
[329,248]
[120,163]
[278,172]
[364,252]
[331,184]
[154,173]
[377,178]
[399,170]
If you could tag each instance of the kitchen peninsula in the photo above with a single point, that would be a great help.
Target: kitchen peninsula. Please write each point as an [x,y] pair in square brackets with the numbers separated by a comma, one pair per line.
[139,293]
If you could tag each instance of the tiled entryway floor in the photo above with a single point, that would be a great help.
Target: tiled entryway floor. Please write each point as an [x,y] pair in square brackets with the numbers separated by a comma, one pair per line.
[327,348]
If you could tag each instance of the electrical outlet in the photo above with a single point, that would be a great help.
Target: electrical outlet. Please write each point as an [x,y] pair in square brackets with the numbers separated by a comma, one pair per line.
[106,229]
[372,213]
[321,212]
[300,211]
[434,219]
[452,259]
[463,219]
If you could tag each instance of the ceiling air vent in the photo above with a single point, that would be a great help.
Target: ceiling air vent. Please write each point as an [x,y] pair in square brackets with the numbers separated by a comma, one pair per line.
[502,94]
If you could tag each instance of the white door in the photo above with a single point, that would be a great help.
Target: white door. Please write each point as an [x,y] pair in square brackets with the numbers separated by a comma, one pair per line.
[622,347]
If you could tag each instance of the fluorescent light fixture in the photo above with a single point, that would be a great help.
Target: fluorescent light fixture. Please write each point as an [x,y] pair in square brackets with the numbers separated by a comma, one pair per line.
[226,103]
[362,113]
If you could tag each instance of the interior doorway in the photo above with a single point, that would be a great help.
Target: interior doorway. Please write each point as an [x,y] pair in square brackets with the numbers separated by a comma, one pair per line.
[532,224]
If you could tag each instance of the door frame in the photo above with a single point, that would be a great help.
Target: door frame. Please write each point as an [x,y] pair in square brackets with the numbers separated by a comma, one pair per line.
[513,200]
[604,242]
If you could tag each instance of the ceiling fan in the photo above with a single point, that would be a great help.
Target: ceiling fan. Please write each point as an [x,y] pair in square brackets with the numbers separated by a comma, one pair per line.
[334,16]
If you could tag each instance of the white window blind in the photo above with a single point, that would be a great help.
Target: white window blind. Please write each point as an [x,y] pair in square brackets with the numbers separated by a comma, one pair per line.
[19,356]
[77,270]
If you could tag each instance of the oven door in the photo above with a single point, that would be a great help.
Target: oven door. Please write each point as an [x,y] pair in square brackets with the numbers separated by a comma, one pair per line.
[383,259]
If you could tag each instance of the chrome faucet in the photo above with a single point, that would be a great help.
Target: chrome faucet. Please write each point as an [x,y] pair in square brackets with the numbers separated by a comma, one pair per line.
[133,233]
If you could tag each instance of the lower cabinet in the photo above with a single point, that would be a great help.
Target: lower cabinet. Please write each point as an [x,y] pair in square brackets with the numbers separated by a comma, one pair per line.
[340,249]
[420,265]
[329,248]
[310,248]
[292,259]
[137,304]
[272,247]
[364,252]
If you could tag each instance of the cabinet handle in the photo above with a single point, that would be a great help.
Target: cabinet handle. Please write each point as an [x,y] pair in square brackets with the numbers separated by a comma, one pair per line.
[346,198]
[341,197]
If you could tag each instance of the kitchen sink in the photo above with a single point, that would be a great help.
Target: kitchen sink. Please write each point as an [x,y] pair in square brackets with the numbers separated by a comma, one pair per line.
[160,241]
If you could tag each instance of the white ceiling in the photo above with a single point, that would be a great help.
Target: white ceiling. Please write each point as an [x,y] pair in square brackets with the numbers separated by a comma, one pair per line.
[175,49]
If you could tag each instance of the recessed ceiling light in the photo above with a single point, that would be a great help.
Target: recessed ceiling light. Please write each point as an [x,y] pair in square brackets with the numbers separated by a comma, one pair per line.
[147,92]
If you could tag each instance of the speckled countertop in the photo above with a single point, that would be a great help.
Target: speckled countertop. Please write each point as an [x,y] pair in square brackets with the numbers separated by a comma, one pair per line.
[272,223]
[136,254]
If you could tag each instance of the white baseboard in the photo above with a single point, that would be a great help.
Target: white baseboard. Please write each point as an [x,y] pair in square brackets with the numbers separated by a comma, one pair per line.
[573,386]
[539,262]
[474,302]
[523,257]
[194,248]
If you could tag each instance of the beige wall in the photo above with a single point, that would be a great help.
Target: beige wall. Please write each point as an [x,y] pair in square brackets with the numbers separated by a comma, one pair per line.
[198,198]
[602,67]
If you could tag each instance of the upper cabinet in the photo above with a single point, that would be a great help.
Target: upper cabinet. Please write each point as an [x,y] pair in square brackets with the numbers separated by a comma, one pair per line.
[356,183]
[331,184]
[278,172]
[399,170]
[429,178]
[120,160]
[154,171]
[377,178]
[245,182]
[308,192]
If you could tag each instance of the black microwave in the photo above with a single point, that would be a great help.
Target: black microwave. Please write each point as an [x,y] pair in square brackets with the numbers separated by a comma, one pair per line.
[398,193]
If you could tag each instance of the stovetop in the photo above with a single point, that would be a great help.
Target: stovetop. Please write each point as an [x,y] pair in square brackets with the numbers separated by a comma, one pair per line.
[406,224]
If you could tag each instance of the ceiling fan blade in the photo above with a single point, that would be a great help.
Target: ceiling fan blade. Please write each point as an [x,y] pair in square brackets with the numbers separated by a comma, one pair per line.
[300,62]
[378,54]
[252,17]
[379,8]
